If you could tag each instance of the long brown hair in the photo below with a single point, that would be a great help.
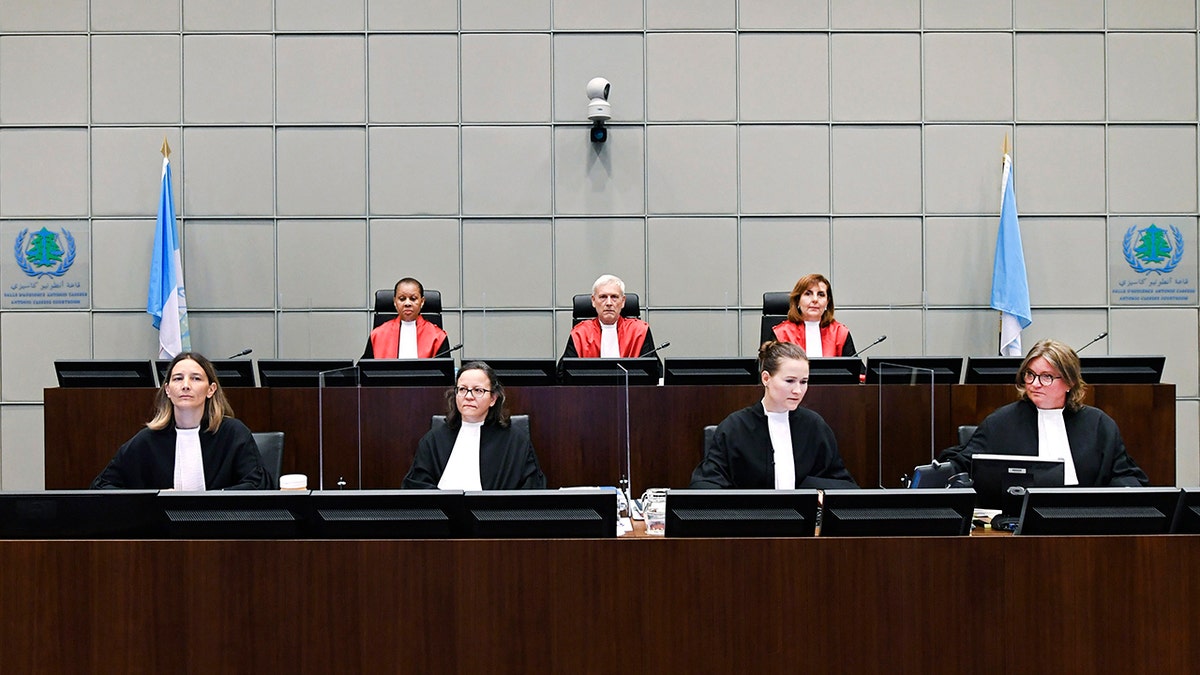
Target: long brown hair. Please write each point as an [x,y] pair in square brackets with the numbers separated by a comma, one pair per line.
[806,282]
[216,407]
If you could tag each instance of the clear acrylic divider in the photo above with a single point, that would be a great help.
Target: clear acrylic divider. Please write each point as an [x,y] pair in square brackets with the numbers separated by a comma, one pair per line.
[337,391]
[898,426]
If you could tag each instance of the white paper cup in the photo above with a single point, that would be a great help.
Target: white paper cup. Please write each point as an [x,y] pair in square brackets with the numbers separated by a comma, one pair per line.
[293,481]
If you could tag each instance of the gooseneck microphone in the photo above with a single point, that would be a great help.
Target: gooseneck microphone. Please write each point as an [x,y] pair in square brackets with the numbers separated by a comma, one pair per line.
[244,352]
[654,351]
[446,352]
[879,339]
[1094,341]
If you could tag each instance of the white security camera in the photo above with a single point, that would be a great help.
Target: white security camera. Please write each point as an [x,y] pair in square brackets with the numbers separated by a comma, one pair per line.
[599,109]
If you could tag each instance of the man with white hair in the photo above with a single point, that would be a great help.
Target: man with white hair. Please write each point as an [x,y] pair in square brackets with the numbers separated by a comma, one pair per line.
[609,335]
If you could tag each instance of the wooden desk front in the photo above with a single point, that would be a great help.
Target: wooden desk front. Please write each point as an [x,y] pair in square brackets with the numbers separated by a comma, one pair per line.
[579,432]
[887,605]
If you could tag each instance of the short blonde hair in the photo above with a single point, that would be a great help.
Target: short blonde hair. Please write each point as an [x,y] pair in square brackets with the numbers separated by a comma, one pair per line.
[1062,357]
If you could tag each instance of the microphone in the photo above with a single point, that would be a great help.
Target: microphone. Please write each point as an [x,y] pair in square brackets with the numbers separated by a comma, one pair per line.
[654,351]
[879,339]
[244,352]
[1094,340]
[446,352]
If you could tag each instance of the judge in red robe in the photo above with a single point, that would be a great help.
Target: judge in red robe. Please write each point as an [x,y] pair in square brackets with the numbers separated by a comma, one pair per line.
[629,337]
[810,307]
[408,330]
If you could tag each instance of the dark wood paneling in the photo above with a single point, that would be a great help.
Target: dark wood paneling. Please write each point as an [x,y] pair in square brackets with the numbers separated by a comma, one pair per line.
[888,605]
[579,432]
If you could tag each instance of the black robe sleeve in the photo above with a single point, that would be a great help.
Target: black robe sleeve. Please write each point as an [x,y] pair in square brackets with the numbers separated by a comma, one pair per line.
[368,351]
[1097,449]
[848,346]
[740,454]
[506,459]
[147,461]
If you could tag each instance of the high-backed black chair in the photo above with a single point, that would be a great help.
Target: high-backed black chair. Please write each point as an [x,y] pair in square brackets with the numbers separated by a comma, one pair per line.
[385,308]
[775,309]
[583,309]
[709,432]
[270,448]
[965,432]
[518,422]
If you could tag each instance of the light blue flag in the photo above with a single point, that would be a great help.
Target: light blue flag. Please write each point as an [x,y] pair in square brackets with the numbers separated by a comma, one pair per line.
[1010,286]
[165,300]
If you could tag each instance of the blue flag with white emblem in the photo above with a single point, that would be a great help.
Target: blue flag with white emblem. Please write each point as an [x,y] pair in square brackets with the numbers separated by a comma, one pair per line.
[1010,286]
[165,300]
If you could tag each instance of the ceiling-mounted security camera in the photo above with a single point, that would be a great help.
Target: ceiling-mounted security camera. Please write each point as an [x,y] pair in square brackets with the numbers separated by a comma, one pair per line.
[599,109]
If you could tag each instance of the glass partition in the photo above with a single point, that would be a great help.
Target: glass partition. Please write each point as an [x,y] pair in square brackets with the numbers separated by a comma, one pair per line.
[899,426]
[339,394]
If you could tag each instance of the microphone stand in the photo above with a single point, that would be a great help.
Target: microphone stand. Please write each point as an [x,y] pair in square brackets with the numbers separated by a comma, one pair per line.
[1094,341]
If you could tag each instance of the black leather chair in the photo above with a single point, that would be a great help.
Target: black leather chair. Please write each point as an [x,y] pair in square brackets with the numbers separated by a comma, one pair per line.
[709,432]
[385,307]
[583,309]
[518,422]
[965,432]
[775,309]
[270,448]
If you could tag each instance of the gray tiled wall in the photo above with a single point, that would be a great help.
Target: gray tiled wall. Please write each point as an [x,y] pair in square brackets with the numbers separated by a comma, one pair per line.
[324,148]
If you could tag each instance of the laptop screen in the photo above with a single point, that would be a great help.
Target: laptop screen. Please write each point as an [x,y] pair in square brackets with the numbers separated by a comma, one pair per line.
[993,475]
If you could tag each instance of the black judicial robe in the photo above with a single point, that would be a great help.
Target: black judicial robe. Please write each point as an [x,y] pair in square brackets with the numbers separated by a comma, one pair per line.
[1096,445]
[147,461]
[506,459]
[741,456]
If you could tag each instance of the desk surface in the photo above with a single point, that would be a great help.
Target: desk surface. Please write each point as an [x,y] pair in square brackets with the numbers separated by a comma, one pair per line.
[887,605]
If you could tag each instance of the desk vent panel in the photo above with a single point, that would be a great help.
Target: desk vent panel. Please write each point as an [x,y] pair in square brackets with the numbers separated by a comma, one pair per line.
[536,515]
[229,515]
[738,515]
[360,515]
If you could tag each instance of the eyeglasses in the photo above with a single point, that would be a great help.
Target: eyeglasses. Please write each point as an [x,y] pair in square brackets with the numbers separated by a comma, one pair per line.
[473,391]
[1045,378]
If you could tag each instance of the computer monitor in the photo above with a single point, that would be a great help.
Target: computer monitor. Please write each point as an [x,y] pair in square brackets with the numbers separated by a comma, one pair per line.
[913,369]
[580,371]
[993,475]
[306,372]
[384,514]
[992,369]
[1187,514]
[523,372]
[541,514]
[711,371]
[897,513]
[1108,510]
[231,372]
[80,514]
[405,372]
[108,373]
[1122,369]
[234,514]
[835,370]
[741,513]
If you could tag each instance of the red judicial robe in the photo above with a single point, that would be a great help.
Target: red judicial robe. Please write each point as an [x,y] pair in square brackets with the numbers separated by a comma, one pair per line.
[632,338]
[834,337]
[384,342]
